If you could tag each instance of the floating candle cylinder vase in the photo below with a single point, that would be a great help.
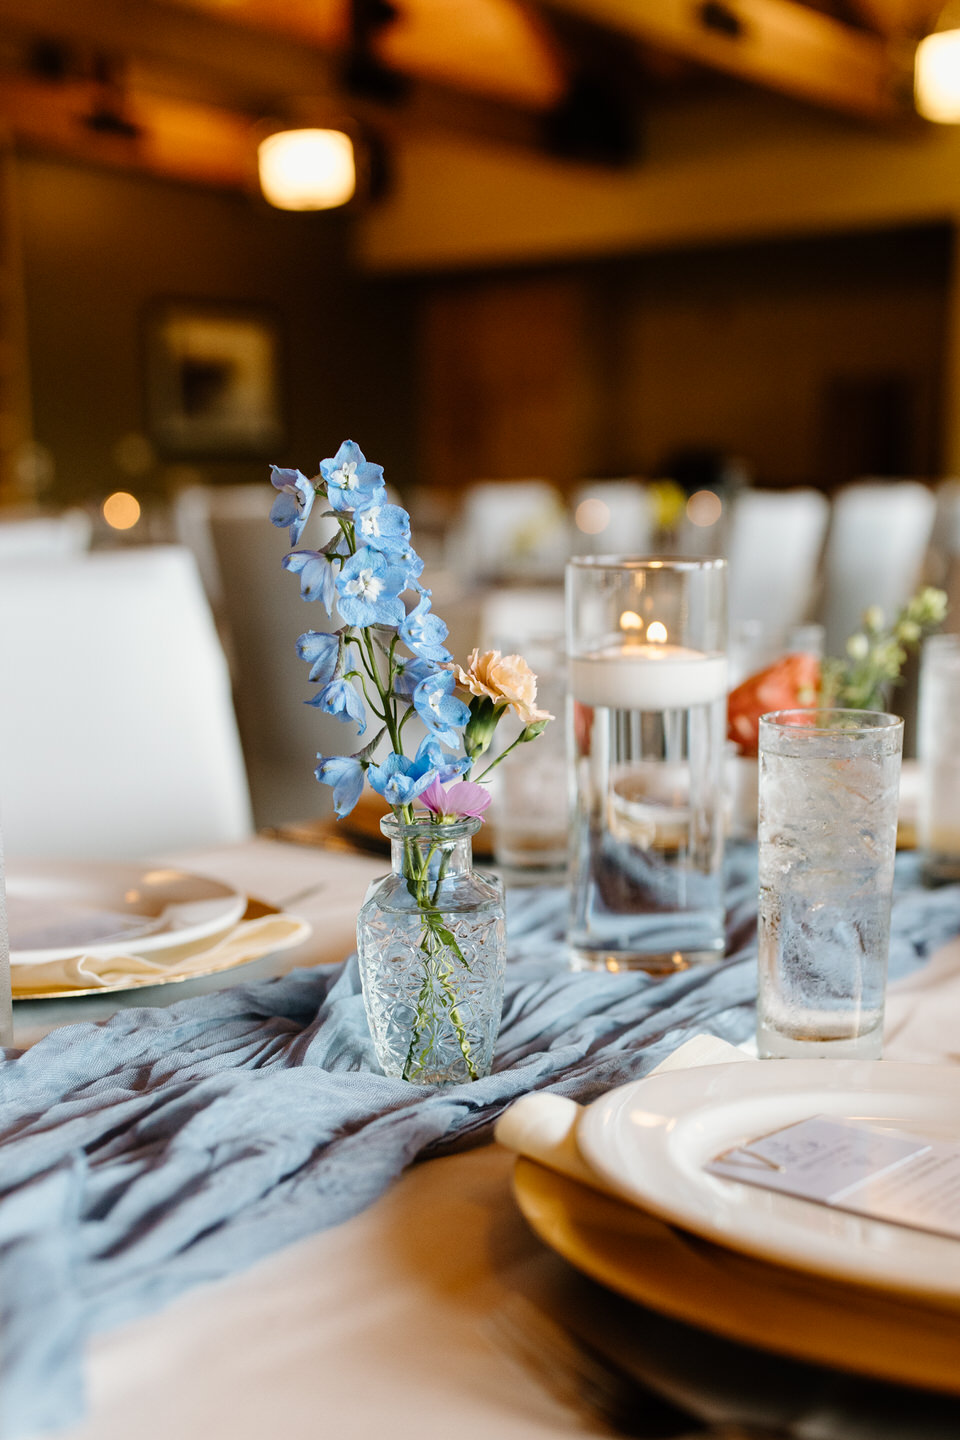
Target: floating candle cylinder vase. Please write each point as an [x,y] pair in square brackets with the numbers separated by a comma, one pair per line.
[648,680]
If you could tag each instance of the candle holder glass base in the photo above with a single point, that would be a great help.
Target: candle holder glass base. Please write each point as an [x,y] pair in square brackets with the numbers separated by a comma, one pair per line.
[668,963]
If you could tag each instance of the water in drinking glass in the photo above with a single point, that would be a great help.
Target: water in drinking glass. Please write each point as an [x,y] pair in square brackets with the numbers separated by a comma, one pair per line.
[829,785]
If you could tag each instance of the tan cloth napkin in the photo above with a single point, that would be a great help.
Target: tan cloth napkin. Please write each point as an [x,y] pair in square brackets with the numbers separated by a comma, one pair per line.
[544,1127]
[922,1015]
[249,940]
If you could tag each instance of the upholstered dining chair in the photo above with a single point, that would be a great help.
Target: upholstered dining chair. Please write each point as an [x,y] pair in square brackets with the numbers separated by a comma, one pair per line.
[261,614]
[38,537]
[117,732]
[876,544]
[773,551]
[509,529]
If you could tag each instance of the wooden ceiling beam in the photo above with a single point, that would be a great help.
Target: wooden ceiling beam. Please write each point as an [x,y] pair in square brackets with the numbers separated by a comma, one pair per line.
[174,139]
[499,49]
[779,44]
[898,18]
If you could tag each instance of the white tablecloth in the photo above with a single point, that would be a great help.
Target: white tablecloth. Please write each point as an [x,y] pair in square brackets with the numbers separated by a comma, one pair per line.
[384,1326]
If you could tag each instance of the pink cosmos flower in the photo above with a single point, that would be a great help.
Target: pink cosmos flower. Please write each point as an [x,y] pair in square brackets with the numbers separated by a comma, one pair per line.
[457,801]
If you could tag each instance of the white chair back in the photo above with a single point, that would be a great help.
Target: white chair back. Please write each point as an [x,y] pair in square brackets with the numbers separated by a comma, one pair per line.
[117,732]
[512,618]
[773,550]
[612,517]
[45,537]
[876,544]
[510,528]
[261,614]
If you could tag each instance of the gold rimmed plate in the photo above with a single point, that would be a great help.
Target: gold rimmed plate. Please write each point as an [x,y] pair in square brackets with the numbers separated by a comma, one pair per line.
[255,910]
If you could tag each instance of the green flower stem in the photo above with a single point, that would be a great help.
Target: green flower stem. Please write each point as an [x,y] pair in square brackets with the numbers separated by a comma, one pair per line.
[436,940]
[502,756]
[358,675]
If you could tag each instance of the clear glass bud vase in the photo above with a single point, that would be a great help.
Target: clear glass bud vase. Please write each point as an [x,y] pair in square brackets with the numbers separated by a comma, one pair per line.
[431,939]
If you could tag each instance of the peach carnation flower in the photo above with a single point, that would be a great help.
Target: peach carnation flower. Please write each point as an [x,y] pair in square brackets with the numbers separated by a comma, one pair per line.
[504,679]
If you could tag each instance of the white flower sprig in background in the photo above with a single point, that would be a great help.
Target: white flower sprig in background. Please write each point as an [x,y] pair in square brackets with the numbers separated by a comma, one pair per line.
[877,653]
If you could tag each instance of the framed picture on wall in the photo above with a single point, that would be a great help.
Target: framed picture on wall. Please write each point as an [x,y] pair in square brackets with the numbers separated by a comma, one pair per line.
[212,374]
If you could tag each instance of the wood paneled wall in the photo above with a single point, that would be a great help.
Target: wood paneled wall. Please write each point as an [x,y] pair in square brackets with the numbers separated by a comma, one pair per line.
[771,352]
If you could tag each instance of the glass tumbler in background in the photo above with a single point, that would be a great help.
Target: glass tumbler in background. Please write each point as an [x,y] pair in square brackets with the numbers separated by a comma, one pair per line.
[938,751]
[528,817]
[829,786]
[646,742]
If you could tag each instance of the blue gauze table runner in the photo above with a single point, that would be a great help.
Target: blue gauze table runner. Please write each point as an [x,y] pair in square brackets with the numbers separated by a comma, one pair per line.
[177,1145]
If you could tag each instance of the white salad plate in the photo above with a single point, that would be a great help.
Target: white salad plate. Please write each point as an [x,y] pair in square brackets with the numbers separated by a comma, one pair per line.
[651,1139]
[57,910]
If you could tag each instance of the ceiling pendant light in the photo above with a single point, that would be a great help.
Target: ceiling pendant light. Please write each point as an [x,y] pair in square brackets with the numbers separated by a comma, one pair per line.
[937,71]
[307,169]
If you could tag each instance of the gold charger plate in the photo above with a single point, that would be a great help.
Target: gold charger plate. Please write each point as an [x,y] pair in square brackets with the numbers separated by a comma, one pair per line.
[362,826]
[256,910]
[840,1326]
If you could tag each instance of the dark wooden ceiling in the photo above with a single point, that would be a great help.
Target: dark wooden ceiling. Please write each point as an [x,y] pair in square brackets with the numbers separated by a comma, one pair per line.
[178,87]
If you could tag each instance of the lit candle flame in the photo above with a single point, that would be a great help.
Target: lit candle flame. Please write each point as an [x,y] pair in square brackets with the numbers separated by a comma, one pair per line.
[630,620]
[657,632]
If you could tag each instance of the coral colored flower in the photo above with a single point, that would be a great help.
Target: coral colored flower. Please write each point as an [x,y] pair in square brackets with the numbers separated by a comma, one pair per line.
[504,679]
[790,684]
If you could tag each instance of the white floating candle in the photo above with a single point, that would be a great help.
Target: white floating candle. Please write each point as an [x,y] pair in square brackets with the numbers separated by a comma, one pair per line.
[637,676]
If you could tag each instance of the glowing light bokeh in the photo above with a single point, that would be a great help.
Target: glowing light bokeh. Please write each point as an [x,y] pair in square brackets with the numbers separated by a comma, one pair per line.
[307,169]
[936,77]
[121,510]
[592,516]
[704,508]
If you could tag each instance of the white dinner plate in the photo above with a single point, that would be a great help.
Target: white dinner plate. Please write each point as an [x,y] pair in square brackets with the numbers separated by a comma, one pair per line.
[651,1139]
[59,909]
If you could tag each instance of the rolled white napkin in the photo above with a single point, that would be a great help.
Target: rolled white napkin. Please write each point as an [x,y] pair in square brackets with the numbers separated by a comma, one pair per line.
[543,1127]
[250,940]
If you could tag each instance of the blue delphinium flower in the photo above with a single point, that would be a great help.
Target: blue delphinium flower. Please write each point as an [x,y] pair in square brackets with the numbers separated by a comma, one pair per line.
[399,779]
[382,526]
[339,698]
[408,671]
[345,774]
[351,479]
[439,709]
[448,767]
[423,632]
[320,650]
[293,505]
[368,589]
[318,580]
[411,562]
